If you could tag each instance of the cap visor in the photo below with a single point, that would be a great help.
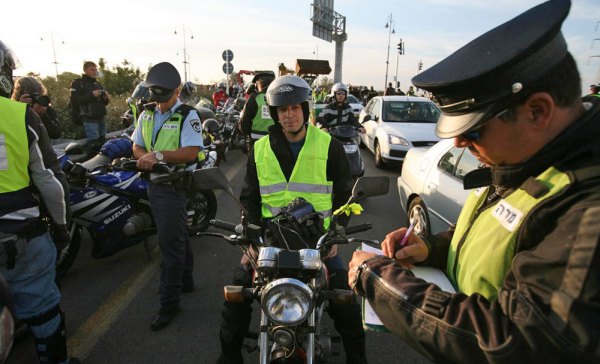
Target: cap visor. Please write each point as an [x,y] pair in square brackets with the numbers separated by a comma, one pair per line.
[161,98]
[450,126]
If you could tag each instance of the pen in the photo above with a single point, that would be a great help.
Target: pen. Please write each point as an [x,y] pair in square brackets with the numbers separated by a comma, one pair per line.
[410,229]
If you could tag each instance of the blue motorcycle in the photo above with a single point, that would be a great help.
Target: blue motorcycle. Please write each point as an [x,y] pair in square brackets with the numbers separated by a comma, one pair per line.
[109,199]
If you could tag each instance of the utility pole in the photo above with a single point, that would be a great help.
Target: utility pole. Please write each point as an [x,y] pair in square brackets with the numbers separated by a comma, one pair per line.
[185,57]
[400,53]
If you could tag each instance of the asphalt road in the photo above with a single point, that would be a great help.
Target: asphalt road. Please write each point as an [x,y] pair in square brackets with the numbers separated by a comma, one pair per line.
[110,302]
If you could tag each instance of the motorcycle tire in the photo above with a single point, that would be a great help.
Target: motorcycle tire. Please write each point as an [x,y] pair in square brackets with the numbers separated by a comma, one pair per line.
[66,257]
[204,205]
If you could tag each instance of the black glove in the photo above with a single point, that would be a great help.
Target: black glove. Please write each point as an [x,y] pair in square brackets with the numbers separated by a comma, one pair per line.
[60,236]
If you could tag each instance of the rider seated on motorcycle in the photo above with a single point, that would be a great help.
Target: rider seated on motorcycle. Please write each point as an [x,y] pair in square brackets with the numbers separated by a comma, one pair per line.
[297,155]
[339,112]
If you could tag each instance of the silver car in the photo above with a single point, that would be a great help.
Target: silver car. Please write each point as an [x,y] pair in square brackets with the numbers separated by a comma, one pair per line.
[394,124]
[430,186]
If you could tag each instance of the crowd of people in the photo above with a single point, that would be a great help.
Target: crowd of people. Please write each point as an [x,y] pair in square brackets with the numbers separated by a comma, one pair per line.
[524,255]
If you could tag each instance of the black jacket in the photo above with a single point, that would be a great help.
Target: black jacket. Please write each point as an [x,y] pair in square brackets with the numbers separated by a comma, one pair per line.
[338,171]
[90,107]
[548,309]
[50,121]
[248,114]
[336,114]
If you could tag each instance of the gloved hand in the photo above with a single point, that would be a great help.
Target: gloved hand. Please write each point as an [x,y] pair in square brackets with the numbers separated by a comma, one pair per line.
[60,236]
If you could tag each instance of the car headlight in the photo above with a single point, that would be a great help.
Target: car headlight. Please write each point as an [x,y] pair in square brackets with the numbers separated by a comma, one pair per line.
[392,139]
[287,301]
[350,148]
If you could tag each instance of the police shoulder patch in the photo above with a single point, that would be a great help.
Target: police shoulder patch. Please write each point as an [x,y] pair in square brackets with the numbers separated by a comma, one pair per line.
[196,125]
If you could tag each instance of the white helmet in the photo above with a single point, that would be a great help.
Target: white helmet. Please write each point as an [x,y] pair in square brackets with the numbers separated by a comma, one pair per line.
[339,87]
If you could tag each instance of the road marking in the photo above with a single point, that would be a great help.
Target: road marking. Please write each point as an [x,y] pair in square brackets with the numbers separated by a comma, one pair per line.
[87,335]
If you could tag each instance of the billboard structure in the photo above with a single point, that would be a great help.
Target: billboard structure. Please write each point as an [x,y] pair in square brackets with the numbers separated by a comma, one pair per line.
[329,25]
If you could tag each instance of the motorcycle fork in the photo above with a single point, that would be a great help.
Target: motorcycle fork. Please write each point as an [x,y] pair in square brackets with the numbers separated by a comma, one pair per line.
[263,338]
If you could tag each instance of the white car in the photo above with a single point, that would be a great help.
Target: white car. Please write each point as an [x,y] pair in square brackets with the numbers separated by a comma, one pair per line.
[394,124]
[431,185]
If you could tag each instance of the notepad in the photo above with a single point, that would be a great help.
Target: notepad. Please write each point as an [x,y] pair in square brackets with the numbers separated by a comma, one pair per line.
[429,274]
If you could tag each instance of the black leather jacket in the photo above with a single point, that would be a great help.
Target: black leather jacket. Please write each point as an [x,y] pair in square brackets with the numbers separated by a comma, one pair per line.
[548,309]
[91,107]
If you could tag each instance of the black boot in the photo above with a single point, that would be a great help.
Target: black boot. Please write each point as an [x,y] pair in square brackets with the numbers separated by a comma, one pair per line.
[53,349]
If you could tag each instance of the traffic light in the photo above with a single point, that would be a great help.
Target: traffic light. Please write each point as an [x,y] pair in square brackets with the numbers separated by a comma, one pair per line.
[420,65]
[401,47]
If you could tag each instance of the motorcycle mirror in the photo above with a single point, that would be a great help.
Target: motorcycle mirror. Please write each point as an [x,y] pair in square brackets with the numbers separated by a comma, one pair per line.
[213,179]
[370,186]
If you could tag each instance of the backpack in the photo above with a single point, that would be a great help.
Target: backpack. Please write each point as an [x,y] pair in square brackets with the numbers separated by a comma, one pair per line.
[74,111]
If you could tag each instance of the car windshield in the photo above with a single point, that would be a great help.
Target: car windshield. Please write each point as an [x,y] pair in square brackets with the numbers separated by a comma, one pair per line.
[407,111]
[352,100]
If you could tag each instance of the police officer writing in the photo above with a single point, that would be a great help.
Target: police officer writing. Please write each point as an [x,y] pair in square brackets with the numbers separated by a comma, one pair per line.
[296,156]
[170,132]
[525,254]
[30,177]
[256,119]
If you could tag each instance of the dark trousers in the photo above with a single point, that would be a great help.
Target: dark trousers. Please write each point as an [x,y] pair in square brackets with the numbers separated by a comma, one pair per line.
[347,318]
[169,209]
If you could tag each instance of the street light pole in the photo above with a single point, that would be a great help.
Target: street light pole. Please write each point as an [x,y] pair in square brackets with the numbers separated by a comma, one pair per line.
[389,24]
[53,53]
[400,52]
[185,58]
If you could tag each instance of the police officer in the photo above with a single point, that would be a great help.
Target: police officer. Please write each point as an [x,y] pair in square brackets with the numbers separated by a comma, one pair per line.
[525,253]
[30,176]
[171,132]
[256,119]
[595,90]
[275,160]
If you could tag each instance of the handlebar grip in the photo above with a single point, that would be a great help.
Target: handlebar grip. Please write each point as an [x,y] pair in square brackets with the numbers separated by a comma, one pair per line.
[225,225]
[358,228]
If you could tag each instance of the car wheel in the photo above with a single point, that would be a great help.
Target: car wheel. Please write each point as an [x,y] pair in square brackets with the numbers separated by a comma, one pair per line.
[379,162]
[417,214]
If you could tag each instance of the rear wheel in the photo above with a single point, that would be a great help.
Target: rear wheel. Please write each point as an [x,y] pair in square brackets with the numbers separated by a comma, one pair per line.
[66,257]
[202,208]
[417,214]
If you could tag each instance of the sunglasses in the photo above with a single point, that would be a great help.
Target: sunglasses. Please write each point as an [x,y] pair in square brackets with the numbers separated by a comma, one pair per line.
[475,134]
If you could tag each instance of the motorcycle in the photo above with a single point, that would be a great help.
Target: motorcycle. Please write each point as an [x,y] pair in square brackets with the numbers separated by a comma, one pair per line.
[348,135]
[110,201]
[291,284]
[229,118]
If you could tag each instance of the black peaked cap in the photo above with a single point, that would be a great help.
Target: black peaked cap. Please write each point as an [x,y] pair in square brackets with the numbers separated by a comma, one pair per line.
[163,75]
[471,84]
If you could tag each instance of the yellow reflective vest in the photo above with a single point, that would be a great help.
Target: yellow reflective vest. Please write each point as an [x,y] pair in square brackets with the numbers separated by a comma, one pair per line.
[484,242]
[262,120]
[308,179]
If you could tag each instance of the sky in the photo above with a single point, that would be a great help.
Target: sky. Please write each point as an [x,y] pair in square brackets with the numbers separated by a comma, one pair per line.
[263,33]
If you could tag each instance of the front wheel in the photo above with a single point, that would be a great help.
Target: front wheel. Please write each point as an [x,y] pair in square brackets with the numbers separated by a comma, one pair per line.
[417,214]
[379,161]
[66,257]
[202,207]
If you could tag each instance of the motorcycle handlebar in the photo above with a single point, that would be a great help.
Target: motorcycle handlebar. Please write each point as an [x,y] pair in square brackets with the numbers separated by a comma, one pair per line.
[358,228]
[131,165]
[225,225]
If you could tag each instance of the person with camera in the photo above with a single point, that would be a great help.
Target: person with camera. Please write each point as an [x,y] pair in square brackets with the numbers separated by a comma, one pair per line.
[293,158]
[32,92]
[90,99]
[524,255]
[30,176]
[169,132]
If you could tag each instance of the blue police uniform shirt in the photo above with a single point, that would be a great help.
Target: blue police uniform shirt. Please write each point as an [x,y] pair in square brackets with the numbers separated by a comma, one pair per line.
[190,137]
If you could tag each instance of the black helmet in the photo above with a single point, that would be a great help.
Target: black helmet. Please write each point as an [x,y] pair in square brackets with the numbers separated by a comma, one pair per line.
[288,90]
[8,62]
[210,126]
[188,89]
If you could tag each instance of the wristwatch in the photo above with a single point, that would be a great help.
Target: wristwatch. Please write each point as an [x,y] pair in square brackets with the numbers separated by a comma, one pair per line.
[159,156]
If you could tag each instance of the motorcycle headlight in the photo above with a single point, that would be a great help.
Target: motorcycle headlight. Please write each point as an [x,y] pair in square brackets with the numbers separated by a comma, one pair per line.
[350,148]
[397,140]
[287,301]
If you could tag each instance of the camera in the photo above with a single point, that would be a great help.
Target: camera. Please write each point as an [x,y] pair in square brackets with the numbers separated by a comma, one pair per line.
[42,100]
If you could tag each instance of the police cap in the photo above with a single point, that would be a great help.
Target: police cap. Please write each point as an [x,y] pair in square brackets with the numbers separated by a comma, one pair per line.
[163,78]
[488,74]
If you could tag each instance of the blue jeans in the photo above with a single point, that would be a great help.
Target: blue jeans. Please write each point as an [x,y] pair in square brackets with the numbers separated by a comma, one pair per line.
[94,129]
[32,284]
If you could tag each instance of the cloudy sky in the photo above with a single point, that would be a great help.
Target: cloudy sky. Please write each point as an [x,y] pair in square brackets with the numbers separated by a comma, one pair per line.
[264,33]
